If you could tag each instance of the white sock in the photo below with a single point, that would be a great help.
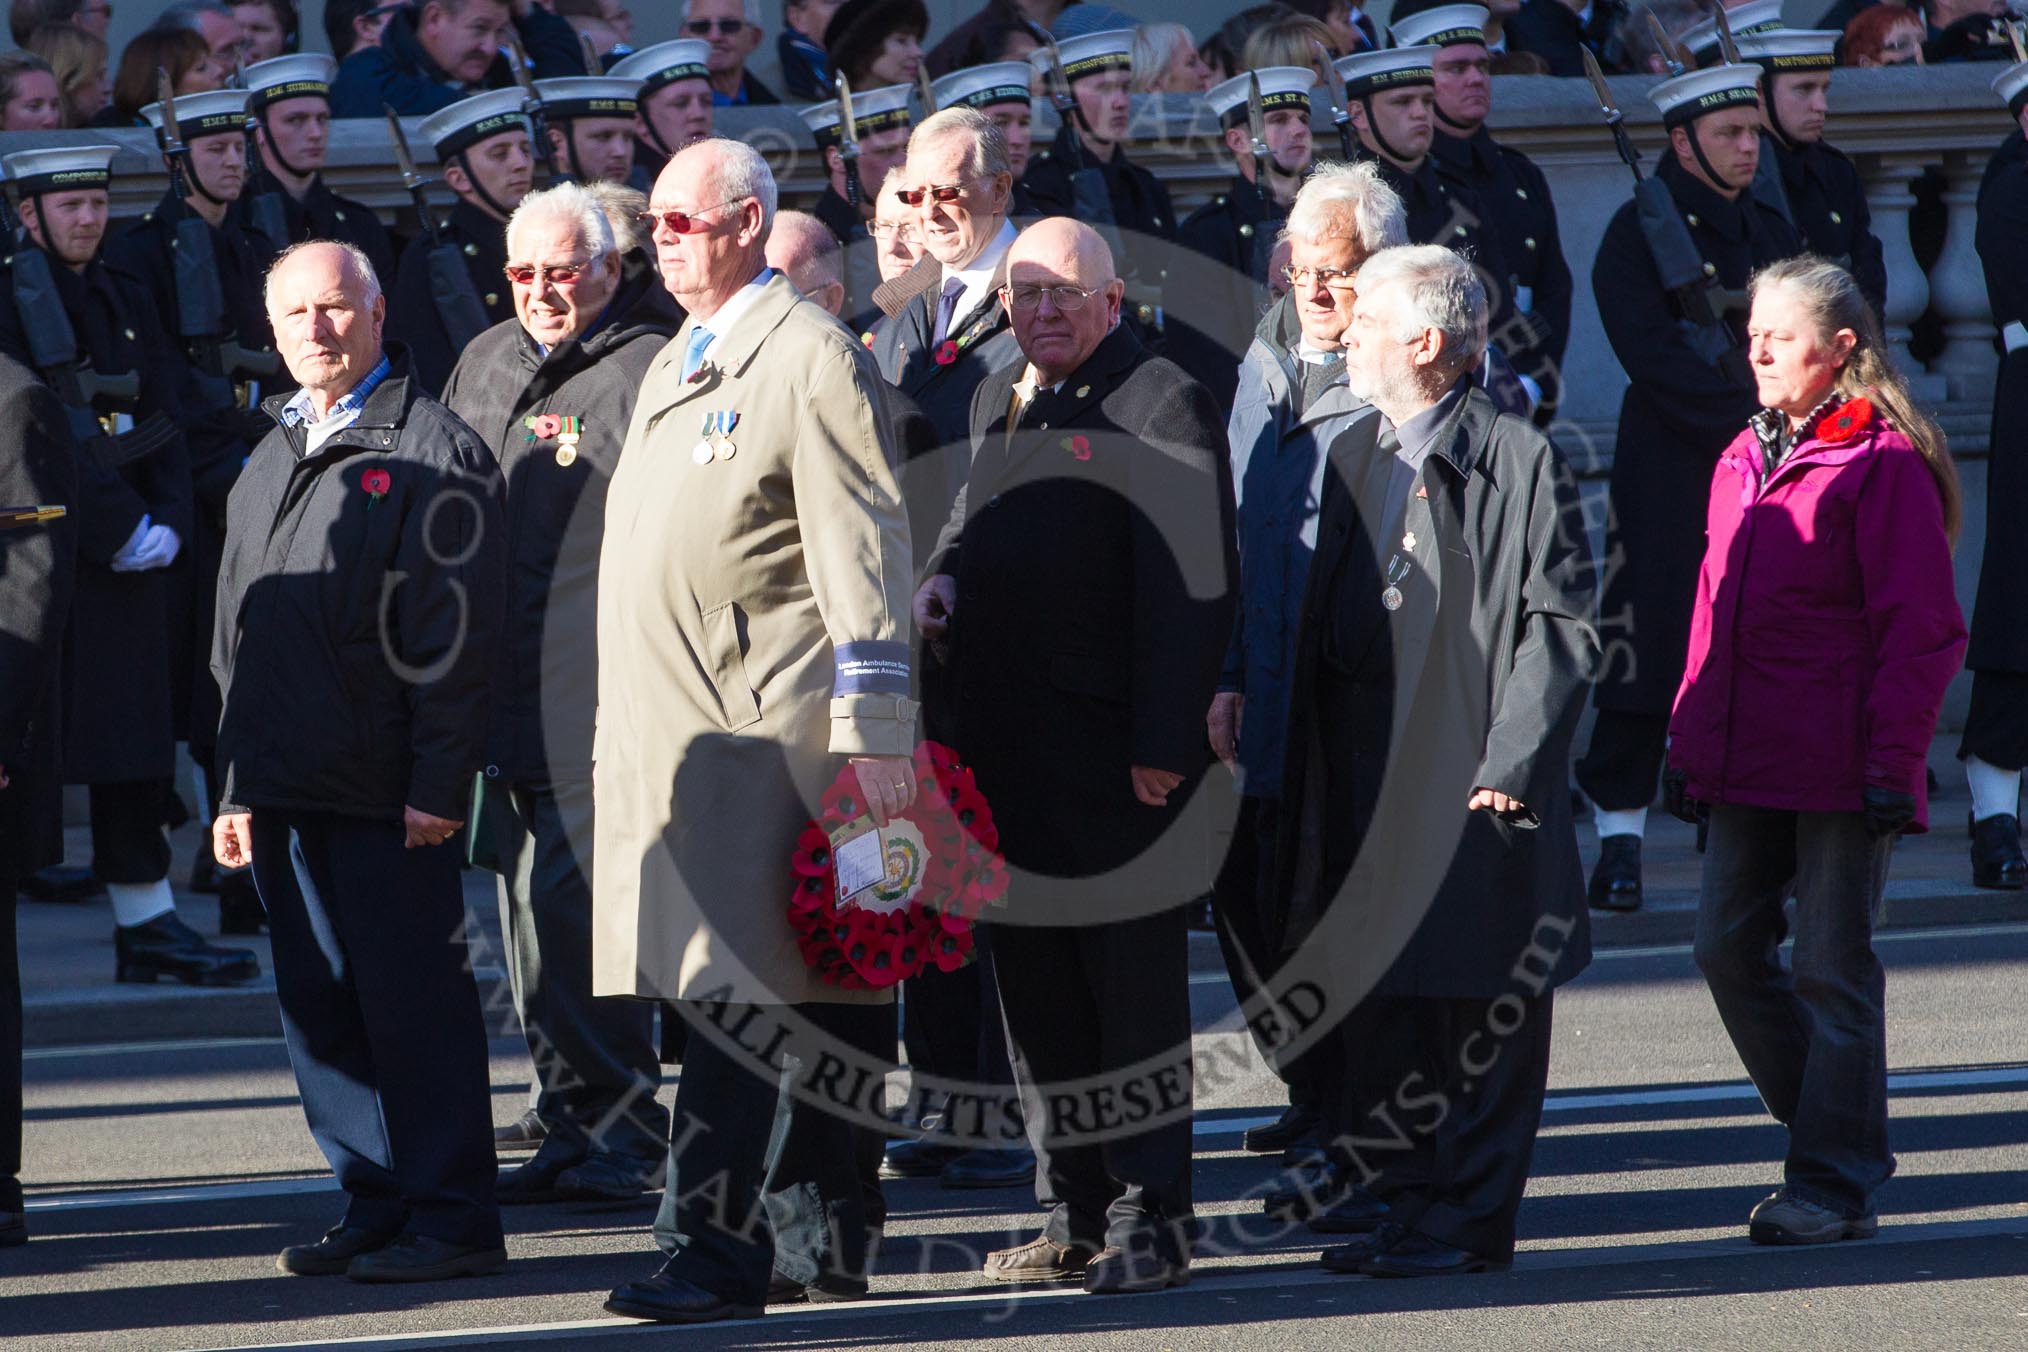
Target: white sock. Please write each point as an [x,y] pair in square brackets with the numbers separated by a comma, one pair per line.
[1624,822]
[138,903]
[1994,791]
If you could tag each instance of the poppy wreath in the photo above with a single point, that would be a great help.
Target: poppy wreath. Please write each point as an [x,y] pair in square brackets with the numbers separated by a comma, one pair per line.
[1845,422]
[943,870]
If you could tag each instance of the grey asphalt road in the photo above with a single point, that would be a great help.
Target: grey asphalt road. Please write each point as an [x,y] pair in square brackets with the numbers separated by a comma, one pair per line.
[165,1177]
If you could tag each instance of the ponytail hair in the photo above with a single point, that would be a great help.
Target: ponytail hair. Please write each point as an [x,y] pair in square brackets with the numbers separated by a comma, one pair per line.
[1832,299]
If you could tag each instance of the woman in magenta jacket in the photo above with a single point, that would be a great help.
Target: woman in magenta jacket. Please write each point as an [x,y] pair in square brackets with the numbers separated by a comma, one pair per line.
[1826,628]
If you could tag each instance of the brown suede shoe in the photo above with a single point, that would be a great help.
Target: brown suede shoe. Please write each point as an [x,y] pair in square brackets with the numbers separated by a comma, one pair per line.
[1039,1260]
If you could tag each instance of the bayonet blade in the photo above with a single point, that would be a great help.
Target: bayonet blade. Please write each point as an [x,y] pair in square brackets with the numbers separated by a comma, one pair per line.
[2017,38]
[1333,85]
[1599,88]
[403,159]
[924,90]
[1059,82]
[848,127]
[1727,48]
[1665,46]
[165,94]
[1256,120]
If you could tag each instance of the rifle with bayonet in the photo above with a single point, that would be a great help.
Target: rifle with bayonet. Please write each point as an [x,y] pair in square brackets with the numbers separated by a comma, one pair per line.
[208,337]
[924,90]
[1675,253]
[1334,93]
[531,108]
[1263,165]
[264,206]
[848,143]
[1767,186]
[1090,200]
[451,287]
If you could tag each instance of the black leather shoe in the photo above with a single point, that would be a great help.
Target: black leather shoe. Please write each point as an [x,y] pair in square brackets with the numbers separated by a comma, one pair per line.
[1346,1258]
[13,1229]
[421,1258]
[1120,1272]
[524,1133]
[1005,1167]
[1616,882]
[786,1290]
[1416,1255]
[537,1179]
[1355,1211]
[1313,1192]
[666,1298]
[239,905]
[608,1177]
[165,946]
[1041,1259]
[1296,1122]
[331,1255]
[64,884]
[1996,854]
[917,1159]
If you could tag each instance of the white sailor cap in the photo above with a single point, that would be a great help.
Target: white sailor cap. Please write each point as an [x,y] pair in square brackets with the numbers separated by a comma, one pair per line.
[1755,16]
[1778,51]
[303,75]
[1280,87]
[1090,54]
[984,86]
[873,111]
[664,63]
[467,122]
[1444,26]
[1689,96]
[2011,84]
[574,96]
[68,169]
[211,113]
[1396,68]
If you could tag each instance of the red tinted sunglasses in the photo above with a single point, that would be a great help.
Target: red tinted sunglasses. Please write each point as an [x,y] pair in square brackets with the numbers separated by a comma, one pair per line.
[942,194]
[680,222]
[557,274]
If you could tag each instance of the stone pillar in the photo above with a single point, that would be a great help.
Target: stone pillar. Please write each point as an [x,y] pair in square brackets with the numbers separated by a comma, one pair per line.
[1887,179]
[1969,362]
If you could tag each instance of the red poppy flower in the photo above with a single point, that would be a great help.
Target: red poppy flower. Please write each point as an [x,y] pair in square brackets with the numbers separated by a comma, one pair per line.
[546,425]
[867,338]
[1846,422]
[376,482]
[812,858]
[1079,447]
[948,353]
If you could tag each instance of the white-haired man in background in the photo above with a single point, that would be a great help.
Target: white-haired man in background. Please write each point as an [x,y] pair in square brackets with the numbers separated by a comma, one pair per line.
[803,249]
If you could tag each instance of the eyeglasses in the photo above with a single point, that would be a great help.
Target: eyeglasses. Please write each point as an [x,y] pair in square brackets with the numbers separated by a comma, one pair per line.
[899,230]
[1337,279]
[727,28]
[1065,298]
[556,274]
[940,193]
[681,222]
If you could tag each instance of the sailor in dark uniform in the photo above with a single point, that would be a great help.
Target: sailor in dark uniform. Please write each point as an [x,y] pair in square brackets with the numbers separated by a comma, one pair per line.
[1213,311]
[290,97]
[1995,744]
[1755,16]
[674,104]
[488,161]
[1000,90]
[1515,193]
[880,122]
[1692,391]
[591,125]
[1826,200]
[1099,69]
[133,520]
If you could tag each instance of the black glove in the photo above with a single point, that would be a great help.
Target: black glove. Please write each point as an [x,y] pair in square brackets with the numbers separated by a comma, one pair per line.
[1887,811]
[1676,799]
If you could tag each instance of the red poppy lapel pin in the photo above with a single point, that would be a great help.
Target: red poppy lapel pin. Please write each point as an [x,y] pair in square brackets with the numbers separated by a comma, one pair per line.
[376,482]
[1847,421]
[1079,447]
[948,353]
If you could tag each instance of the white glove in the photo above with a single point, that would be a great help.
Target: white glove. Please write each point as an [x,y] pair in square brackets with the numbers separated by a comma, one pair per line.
[128,560]
[159,549]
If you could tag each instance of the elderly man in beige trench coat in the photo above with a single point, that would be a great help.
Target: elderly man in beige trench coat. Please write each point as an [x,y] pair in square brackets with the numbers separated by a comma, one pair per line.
[752,633]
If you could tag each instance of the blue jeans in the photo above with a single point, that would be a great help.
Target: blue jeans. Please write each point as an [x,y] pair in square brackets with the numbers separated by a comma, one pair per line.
[1814,1038]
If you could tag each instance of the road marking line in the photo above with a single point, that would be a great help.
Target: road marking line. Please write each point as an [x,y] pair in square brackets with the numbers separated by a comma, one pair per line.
[199,1044]
[1887,936]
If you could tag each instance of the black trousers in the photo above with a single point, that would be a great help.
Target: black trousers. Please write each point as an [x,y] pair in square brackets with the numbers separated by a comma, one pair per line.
[1250,936]
[596,1065]
[1084,1002]
[1622,764]
[10,1038]
[128,842]
[762,1176]
[1996,725]
[382,1019]
[951,1021]
[1443,1100]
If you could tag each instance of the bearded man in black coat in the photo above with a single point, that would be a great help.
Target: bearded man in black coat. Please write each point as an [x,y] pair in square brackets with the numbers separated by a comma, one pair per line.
[1442,656]
[1084,589]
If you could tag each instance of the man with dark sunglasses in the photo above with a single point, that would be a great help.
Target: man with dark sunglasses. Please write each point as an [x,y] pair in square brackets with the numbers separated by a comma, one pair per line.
[733,28]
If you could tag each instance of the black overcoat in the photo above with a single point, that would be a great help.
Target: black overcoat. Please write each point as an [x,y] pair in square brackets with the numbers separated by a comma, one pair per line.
[1095,563]
[412,316]
[1476,679]
[1678,414]
[2000,617]
[1827,202]
[1213,303]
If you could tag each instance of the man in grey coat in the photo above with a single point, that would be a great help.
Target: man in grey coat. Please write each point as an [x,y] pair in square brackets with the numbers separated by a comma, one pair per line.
[551,391]
[1293,402]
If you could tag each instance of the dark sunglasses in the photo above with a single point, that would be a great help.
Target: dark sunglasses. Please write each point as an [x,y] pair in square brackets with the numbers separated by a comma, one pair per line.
[557,274]
[727,28]
[942,194]
[680,222]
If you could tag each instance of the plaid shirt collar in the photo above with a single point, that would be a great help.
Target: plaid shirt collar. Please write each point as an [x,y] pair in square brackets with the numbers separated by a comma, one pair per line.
[298,412]
[1771,429]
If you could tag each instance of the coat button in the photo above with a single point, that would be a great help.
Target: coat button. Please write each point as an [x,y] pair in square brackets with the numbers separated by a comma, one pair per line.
[1246,232]
[1521,193]
[492,772]
[1692,218]
[1044,426]
[1836,219]
[1530,241]
[338,215]
[993,501]
[471,251]
[1710,270]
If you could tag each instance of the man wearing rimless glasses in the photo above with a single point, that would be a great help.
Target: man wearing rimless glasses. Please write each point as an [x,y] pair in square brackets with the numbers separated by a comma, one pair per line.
[733,28]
